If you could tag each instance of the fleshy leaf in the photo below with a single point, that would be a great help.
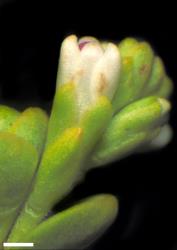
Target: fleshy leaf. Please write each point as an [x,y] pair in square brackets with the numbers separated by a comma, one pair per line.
[7,117]
[156,78]
[166,88]
[135,125]
[94,122]
[64,113]
[135,72]
[143,59]
[18,161]
[125,87]
[56,176]
[31,125]
[127,45]
[76,227]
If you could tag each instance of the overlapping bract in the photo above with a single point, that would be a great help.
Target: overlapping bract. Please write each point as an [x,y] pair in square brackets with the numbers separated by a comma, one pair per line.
[110,101]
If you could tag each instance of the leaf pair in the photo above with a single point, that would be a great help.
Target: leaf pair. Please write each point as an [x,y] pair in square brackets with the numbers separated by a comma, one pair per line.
[142,74]
[21,141]
[62,164]
[134,126]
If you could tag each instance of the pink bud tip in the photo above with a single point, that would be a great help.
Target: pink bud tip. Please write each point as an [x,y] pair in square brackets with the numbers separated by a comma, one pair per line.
[82,44]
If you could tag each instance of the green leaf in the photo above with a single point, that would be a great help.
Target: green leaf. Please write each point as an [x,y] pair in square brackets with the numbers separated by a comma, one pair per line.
[31,125]
[76,227]
[18,161]
[64,112]
[143,57]
[127,45]
[7,117]
[133,126]
[93,122]
[125,147]
[166,88]
[125,88]
[57,169]
[156,78]
[56,176]
[137,59]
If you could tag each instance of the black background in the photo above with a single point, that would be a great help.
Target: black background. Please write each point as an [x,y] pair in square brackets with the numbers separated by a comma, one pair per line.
[30,36]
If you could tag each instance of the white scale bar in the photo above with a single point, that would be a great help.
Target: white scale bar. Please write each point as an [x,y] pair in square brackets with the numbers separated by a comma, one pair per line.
[6,244]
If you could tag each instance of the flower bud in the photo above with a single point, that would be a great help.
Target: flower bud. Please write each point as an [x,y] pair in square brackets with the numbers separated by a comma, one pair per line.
[93,68]
[161,140]
[69,55]
[106,74]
